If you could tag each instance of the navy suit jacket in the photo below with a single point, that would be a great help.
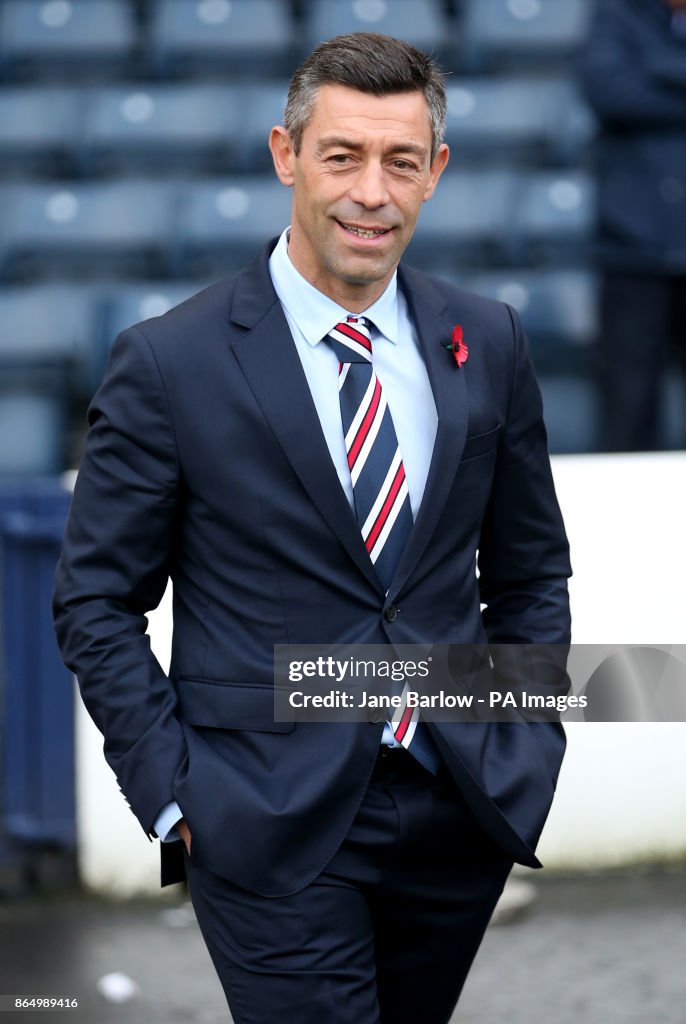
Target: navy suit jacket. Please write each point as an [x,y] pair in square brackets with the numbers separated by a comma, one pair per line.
[206,463]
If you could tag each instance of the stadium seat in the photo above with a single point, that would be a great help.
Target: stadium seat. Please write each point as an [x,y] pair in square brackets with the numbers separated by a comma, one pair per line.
[197,35]
[32,424]
[468,217]
[50,327]
[559,309]
[262,106]
[38,128]
[554,217]
[571,413]
[507,32]
[420,22]
[505,119]
[226,221]
[673,405]
[114,226]
[126,303]
[130,303]
[73,35]
[572,127]
[161,127]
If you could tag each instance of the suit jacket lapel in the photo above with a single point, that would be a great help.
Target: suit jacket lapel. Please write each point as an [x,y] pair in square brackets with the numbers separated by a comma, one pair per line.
[272,367]
[448,383]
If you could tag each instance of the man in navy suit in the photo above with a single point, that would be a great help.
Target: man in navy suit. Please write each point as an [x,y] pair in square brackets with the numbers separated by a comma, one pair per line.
[340,872]
[633,73]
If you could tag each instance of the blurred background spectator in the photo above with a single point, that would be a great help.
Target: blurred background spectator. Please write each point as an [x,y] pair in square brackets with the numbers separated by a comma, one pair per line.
[633,73]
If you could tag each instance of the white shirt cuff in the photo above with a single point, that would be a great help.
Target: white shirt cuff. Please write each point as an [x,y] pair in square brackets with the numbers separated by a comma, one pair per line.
[166,821]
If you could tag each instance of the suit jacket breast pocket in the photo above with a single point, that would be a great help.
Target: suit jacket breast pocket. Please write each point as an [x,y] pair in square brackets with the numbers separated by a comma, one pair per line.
[481,444]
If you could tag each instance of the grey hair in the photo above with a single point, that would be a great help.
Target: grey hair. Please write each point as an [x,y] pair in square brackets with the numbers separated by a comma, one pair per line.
[371,63]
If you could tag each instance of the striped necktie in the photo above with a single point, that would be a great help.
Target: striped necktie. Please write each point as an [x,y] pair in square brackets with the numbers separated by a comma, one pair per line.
[382,502]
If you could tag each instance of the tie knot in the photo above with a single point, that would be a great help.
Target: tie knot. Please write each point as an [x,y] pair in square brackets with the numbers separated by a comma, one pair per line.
[351,340]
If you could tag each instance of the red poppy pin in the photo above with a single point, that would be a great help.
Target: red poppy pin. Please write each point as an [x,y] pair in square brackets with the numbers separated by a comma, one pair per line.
[458,347]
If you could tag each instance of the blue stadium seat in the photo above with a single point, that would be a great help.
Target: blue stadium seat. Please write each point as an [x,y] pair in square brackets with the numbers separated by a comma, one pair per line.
[559,313]
[38,127]
[558,308]
[130,303]
[127,303]
[508,118]
[506,32]
[571,413]
[262,106]
[161,126]
[122,225]
[196,34]
[554,218]
[49,327]
[673,405]
[420,22]
[32,424]
[468,217]
[73,34]
[226,221]
[573,126]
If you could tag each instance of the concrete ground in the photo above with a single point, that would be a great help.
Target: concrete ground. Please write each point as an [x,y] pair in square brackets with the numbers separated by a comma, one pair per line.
[590,949]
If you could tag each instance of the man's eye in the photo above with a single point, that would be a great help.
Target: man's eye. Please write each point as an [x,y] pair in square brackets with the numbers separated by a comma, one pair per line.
[340,158]
[403,165]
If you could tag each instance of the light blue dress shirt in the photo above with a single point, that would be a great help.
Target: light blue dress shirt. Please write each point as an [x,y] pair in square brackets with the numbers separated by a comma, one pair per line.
[400,368]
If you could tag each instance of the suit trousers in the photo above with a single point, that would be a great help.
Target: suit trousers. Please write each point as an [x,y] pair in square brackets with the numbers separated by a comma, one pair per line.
[643,327]
[385,933]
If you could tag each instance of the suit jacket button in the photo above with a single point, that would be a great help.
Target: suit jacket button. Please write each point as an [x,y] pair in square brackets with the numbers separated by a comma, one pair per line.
[390,613]
[377,715]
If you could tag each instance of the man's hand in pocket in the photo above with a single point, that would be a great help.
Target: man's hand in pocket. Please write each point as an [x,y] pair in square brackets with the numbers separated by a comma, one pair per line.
[185,833]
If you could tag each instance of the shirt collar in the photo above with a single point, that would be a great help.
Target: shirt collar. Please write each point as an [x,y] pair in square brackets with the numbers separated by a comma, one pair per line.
[315,313]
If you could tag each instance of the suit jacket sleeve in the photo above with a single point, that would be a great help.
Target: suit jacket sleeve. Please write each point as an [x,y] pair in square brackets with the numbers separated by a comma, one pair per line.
[115,564]
[523,550]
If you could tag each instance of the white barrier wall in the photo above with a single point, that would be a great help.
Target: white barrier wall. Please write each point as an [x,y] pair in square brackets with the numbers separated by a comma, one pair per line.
[622,791]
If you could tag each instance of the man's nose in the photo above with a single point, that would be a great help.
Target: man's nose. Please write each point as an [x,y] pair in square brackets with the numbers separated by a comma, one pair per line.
[369,188]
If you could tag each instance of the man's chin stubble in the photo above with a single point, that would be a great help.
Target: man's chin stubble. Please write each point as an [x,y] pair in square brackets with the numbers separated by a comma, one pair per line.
[363,276]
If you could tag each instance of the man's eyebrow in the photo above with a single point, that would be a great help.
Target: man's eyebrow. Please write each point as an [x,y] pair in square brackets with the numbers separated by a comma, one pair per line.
[409,147]
[330,141]
[333,141]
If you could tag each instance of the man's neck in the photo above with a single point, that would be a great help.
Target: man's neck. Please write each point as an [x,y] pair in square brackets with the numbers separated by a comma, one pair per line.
[353,296]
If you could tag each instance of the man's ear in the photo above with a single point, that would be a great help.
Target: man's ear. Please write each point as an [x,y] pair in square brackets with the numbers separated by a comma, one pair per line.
[437,168]
[282,154]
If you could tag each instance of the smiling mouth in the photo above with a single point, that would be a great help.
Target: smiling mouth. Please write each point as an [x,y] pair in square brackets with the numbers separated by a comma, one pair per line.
[364,232]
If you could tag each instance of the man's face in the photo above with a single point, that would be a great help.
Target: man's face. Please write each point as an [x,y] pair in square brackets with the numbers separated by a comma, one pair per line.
[363,171]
